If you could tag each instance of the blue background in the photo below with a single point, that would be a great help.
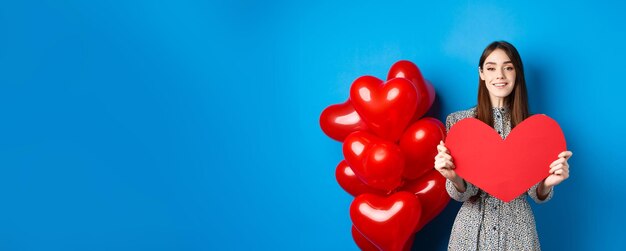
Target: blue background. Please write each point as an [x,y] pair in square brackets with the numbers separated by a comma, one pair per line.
[193,125]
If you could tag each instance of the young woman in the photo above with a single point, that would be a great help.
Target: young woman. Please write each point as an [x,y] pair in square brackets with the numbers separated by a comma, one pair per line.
[485,222]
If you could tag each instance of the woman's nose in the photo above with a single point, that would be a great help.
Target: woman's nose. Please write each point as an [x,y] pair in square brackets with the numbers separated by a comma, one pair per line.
[500,74]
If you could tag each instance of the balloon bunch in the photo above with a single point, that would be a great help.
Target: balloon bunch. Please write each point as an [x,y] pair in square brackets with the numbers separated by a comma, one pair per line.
[389,151]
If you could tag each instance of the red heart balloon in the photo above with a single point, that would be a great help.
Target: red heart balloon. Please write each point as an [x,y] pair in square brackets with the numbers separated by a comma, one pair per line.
[505,168]
[425,91]
[386,107]
[388,223]
[432,194]
[375,161]
[365,245]
[419,146]
[339,120]
[348,180]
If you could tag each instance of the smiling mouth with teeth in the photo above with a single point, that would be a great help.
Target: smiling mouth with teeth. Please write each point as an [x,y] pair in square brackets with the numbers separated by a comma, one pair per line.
[499,84]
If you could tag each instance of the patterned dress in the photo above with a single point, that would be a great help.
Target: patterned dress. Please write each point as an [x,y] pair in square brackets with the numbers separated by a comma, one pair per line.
[488,223]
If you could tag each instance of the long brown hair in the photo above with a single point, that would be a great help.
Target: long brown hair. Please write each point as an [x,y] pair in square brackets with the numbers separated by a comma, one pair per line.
[517,100]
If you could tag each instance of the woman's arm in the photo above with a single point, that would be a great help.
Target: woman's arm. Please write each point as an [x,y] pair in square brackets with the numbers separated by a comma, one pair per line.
[458,195]
[543,191]
[459,184]
[559,171]
[539,195]
[457,188]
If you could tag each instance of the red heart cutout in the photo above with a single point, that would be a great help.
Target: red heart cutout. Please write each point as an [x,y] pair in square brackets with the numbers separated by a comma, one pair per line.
[388,223]
[348,180]
[386,107]
[505,168]
[425,91]
[377,162]
[419,146]
[339,120]
[431,192]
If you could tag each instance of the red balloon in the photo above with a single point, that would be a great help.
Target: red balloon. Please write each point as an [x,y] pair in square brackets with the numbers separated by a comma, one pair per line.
[363,243]
[425,91]
[386,107]
[387,222]
[409,243]
[348,180]
[431,191]
[419,145]
[339,120]
[375,161]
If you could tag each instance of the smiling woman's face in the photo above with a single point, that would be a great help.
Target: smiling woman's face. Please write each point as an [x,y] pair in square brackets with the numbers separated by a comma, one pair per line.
[499,75]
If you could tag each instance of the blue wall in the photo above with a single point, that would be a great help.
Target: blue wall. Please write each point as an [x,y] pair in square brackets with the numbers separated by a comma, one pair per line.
[193,125]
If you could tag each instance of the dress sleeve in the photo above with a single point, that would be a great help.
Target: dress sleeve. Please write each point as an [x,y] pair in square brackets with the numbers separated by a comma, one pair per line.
[532,192]
[449,122]
[470,190]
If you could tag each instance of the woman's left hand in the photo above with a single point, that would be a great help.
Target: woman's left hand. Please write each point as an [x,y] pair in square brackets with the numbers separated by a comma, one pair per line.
[559,170]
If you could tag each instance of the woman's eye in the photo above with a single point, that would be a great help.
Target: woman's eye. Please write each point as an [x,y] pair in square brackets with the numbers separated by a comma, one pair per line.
[509,68]
[491,69]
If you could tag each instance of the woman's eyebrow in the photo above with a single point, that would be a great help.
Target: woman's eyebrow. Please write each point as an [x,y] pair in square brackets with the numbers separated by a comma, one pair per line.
[505,62]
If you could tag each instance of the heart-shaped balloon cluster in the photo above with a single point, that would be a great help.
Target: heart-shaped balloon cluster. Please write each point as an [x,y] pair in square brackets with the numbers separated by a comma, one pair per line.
[389,151]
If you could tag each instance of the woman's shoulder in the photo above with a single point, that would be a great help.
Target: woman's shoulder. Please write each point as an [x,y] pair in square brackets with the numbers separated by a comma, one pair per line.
[459,115]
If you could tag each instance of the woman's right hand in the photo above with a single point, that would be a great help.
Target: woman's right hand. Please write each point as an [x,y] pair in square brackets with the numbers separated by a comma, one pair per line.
[444,164]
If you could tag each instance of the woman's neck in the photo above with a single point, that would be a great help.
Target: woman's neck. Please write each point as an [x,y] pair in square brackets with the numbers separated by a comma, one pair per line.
[497,102]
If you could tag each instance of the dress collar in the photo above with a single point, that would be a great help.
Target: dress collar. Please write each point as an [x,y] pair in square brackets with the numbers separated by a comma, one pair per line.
[503,110]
